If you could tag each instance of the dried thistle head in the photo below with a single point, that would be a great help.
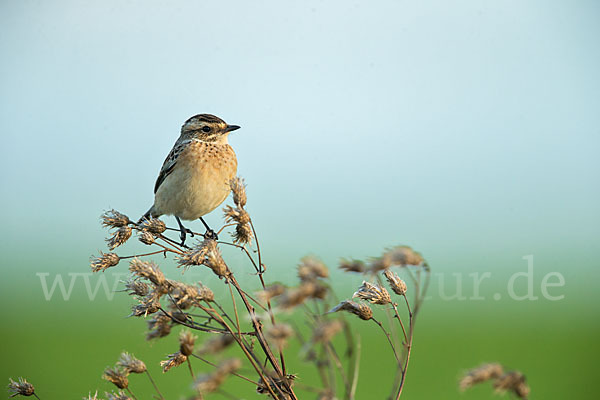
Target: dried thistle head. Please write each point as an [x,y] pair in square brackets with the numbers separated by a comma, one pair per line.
[120,395]
[404,255]
[20,388]
[136,287]
[114,219]
[271,291]
[326,330]
[186,342]
[153,225]
[397,285]
[147,270]
[363,311]
[146,237]
[92,397]
[280,333]
[311,268]
[174,360]
[119,237]
[208,383]
[238,188]
[214,261]
[373,293]
[197,255]
[352,266]
[131,364]
[147,305]
[243,231]
[293,297]
[243,234]
[117,377]
[481,374]
[105,261]
[216,344]
[159,326]
[513,381]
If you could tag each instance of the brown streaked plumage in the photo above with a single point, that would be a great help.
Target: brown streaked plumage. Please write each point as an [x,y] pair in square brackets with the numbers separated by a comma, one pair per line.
[195,176]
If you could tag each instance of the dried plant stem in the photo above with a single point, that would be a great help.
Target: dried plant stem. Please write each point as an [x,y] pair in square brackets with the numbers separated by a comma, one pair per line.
[146,254]
[189,363]
[340,367]
[237,318]
[387,335]
[356,370]
[154,384]
[36,396]
[262,340]
[395,306]
[249,355]
[131,393]
[232,373]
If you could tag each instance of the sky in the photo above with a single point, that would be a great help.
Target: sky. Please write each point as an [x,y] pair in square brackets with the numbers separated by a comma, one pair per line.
[466,129]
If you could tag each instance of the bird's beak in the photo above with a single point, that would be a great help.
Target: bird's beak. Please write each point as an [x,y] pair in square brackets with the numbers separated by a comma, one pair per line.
[231,128]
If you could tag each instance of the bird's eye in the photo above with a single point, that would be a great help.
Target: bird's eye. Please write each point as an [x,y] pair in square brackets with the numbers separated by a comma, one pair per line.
[206,129]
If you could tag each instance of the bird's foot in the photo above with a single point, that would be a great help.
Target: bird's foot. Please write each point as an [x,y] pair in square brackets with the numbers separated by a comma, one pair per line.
[210,234]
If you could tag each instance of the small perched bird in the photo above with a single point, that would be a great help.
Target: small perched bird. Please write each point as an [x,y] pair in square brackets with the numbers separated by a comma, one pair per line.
[194,179]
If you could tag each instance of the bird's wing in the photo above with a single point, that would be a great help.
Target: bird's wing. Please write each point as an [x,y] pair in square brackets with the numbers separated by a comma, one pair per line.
[170,163]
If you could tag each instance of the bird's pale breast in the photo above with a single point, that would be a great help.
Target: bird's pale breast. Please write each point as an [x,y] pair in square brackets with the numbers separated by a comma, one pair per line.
[199,182]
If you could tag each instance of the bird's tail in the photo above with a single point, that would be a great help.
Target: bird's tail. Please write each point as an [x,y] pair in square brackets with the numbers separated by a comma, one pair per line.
[147,215]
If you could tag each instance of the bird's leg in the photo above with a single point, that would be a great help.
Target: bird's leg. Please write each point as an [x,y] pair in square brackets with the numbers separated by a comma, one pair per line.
[183,230]
[210,234]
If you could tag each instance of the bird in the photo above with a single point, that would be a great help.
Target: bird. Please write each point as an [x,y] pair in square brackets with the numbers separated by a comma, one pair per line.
[195,177]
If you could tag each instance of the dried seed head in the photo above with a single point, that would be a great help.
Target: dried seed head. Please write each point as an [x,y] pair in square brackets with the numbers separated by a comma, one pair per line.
[293,297]
[215,262]
[120,395]
[238,188]
[271,291]
[148,305]
[20,388]
[131,364]
[243,234]
[352,266]
[105,261]
[147,270]
[114,219]
[136,287]
[373,293]
[327,330]
[174,360]
[197,255]
[238,215]
[481,374]
[153,225]
[186,342]
[216,344]
[363,311]
[116,377]
[396,284]
[311,268]
[513,381]
[210,382]
[280,333]
[119,237]
[404,255]
[146,237]
[380,263]
[159,326]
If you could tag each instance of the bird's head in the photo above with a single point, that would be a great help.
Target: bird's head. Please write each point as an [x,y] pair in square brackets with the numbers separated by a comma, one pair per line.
[207,128]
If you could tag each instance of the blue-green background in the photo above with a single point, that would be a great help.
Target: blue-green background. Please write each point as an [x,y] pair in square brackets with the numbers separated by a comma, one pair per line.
[467,129]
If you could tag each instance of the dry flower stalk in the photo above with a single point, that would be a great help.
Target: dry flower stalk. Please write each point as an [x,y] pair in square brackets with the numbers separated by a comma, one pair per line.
[174,360]
[105,261]
[480,374]
[363,311]
[216,344]
[131,364]
[211,382]
[512,381]
[397,285]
